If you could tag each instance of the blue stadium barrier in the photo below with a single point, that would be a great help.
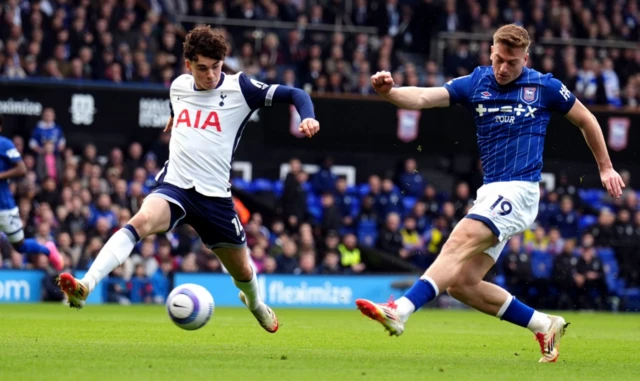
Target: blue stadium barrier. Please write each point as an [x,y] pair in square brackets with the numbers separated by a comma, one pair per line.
[20,286]
[309,291]
[24,286]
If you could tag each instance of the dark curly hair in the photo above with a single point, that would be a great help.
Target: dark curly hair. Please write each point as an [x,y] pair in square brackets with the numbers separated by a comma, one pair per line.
[205,41]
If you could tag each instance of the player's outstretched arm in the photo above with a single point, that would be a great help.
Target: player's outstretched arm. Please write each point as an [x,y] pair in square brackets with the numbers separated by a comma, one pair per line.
[303,104]
[409,97]
[588,124]
[18,170]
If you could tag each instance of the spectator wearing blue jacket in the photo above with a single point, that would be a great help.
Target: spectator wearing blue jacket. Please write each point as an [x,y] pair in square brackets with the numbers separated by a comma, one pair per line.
[47,131]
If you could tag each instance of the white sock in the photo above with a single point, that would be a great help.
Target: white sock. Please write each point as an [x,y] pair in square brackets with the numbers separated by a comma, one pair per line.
[113,254]
[539,322]
[250,290]
[405,308]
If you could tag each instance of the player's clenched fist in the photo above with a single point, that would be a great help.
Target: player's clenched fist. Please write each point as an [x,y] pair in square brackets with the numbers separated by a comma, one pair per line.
[382,82]
[309,127]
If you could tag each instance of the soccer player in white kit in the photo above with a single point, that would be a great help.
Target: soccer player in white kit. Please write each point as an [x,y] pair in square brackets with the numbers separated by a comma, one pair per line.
[512,106]
[209,111]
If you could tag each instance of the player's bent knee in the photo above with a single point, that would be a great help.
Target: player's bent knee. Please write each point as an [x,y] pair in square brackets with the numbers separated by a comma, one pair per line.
[153,217]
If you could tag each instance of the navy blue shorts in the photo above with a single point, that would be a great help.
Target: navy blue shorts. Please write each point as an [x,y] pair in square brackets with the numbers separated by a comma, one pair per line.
[214,218]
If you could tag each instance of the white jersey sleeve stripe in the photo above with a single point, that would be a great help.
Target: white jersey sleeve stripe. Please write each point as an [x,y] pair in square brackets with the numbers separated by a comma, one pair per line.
[268,100]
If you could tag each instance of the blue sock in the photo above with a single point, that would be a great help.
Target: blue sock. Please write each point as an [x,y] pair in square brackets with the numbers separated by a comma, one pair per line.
[133,231]
[31,246]
[518,313]
[421,293]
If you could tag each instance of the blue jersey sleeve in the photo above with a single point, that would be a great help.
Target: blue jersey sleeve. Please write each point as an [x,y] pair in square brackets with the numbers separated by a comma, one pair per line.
[459,89]
[256,93]
[557,97]
[9,151]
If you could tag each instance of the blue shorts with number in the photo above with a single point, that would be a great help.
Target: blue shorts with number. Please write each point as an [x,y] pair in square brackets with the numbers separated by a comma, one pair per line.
[214,218]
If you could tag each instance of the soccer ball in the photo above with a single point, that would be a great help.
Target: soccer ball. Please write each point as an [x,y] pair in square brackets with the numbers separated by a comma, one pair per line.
[190,306]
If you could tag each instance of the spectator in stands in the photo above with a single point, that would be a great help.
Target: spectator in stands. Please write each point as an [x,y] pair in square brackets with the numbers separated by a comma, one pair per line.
[117,290]
[566,219]
[350,255]
[307,264]
[556,242]
[565,277]
[518,271]
[625,244]
[140,288]
[431,202]
[590,279]
[47,131]
[294,200]
[345,203]
[390,239]
[536,241]
[331,216]
[287,262]
[603,231]
[389,200]
[410,181]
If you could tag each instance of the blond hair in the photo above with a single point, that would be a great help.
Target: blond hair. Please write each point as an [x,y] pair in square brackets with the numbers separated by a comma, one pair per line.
[512,36]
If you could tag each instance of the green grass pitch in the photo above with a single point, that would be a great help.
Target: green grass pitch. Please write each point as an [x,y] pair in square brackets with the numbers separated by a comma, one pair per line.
[53,342]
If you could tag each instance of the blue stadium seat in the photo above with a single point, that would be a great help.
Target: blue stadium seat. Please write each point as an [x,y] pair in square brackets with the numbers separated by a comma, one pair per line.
[241,184]
[355,206]
[408,202]
[592,197]
[353,191]
[586,221]
[606,254]
[316,212]
[367,235]
[262,185]
[363,190]
[278,187]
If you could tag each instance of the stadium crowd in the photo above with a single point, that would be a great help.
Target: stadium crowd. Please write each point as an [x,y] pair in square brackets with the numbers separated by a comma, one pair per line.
[140,41]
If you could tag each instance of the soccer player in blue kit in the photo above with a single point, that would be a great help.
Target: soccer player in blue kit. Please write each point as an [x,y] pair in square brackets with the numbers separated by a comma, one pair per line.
[512,106]
[12,166]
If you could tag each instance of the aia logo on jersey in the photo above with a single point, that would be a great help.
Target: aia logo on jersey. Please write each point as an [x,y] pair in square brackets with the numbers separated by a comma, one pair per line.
[529,94]
[196,119]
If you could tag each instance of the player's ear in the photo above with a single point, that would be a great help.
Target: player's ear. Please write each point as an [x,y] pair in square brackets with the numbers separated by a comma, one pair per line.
[187,63]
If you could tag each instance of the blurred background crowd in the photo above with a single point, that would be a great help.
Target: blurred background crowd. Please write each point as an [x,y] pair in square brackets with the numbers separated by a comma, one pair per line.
[326,46]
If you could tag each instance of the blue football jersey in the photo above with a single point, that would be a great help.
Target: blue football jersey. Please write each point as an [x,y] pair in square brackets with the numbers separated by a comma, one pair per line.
[9,156]
[511,120]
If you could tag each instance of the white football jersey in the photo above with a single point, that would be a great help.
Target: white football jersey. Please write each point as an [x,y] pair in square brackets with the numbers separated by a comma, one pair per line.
[207,126]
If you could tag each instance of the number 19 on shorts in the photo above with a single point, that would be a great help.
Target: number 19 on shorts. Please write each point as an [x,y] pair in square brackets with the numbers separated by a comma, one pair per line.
[505,206]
